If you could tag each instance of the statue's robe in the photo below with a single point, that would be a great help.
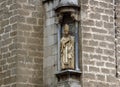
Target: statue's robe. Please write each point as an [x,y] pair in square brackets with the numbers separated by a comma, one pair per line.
[67,52]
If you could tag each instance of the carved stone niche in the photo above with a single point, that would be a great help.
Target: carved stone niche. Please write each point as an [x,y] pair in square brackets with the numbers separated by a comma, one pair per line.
[67,18]
[73,11]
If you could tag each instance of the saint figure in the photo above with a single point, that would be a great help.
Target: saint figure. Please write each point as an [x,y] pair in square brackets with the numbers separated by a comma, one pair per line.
[67,50]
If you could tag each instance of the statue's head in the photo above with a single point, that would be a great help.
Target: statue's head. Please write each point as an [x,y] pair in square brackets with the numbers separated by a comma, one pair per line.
[66,29]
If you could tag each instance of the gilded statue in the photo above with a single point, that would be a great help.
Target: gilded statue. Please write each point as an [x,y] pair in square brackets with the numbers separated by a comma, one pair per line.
[67,50]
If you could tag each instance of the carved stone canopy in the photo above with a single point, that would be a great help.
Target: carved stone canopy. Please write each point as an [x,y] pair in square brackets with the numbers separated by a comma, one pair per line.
[68,6]
[68,3]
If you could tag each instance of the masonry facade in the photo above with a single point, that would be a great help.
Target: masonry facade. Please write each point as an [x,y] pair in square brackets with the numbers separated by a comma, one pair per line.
[21,43]
[28,43]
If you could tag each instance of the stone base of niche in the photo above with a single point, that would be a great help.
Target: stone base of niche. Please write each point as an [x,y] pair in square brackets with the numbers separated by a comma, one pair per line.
[69,84]
[69,78]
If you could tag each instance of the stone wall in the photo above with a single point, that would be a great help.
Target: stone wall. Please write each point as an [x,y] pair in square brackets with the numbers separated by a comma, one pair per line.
[30,43]
[21,43]
[98,43]
[27,28]
[50,45]
[8,33]
[100,46]
[117,25]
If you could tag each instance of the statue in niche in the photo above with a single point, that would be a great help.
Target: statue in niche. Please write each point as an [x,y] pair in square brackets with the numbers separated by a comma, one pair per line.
[67,50]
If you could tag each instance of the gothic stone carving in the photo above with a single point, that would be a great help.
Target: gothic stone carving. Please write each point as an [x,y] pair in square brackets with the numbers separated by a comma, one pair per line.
[67,50]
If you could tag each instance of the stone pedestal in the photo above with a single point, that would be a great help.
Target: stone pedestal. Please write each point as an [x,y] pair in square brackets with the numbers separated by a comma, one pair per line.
[68,78]
[69,84]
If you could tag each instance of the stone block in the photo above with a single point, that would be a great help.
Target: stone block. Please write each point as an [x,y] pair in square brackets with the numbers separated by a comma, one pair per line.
[69,84]
[23,12]
[24,27]
[4,23]
[9,2]
[109,12]
[37,14]
[105,70]
[99,50]
[95,16]
[84,2]
[29,7]
[110,65]
[98,37]
[109,52]
[105,18]
[5,36]
[94,69]
[88,49]
[88,22]
[31,20]
[96,30]
[87,35]
[99,10]
[89,76]
[101,77]
[99,23]
[93,43]
[15,6]
[100,64]
[8,29]
[103,4]
[111,79]
[93,2]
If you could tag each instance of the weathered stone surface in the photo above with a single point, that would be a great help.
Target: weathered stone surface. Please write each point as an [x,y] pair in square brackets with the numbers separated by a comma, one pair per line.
[21,60]
[69,84]
[28,44]
[100,34]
